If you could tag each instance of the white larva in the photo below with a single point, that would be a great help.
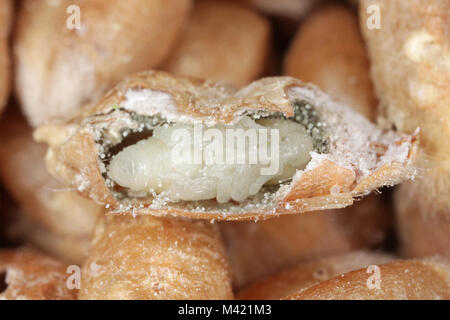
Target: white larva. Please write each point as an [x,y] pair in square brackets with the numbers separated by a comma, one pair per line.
[149,165]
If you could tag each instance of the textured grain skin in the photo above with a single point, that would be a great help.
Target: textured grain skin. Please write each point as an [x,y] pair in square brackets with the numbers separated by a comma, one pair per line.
[222,41]
[423,213]
[6,13]
[259,249]
[293,9]
[32,276]
[308,274]
[25,230]
[328,50]
[146,257]
[410,58]
[401,280]
[59,69]
[54,211]
[361,157]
